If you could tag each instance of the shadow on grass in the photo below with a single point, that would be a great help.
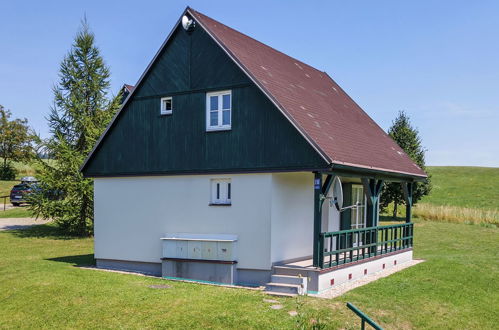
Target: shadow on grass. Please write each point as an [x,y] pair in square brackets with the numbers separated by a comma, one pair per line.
[389,218]
[78,260]
[41,231]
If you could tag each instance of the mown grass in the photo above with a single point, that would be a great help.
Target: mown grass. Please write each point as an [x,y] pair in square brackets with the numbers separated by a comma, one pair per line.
[461,186]
[17,212]
[456,288]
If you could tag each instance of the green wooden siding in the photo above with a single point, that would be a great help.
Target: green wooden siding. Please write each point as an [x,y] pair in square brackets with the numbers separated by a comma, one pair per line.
[143,142]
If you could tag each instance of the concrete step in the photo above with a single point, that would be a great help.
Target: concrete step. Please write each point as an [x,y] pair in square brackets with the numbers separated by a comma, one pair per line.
[284,288]
[280,294]
[288,279]
[291,271]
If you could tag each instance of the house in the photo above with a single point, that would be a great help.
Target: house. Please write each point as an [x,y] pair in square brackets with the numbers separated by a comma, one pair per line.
[219,165]
[125,91]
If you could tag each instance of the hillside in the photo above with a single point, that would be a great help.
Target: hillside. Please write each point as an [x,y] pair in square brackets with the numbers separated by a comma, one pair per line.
[472,187]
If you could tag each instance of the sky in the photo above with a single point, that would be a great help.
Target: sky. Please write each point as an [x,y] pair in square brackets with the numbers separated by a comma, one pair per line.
[436,60]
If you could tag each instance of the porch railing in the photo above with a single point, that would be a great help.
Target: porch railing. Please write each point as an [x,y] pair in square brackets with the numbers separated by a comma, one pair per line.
[345,246]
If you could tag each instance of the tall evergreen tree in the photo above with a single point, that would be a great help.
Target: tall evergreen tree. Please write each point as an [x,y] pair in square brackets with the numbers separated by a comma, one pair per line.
[407,137]
[81,111]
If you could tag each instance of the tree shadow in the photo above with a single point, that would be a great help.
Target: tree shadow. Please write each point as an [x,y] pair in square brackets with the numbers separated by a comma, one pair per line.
[76,260]
[51,231]
[389,218]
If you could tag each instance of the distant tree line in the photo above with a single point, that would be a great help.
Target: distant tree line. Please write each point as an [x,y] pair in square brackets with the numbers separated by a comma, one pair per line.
[17,143]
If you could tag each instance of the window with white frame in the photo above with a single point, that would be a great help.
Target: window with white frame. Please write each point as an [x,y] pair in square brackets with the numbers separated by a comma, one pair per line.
[221,191]
[218,111]
[166,105]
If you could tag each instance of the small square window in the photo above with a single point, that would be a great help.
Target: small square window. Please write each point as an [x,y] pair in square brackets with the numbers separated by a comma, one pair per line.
[221,192]
[166,105]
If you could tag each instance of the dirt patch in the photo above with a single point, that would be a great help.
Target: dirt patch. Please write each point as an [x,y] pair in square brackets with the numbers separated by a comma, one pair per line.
[20,223]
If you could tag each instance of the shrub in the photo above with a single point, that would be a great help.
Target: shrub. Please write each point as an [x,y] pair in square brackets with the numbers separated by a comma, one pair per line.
[7,172]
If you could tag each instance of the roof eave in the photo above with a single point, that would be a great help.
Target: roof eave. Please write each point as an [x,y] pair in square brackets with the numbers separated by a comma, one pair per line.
[380,173]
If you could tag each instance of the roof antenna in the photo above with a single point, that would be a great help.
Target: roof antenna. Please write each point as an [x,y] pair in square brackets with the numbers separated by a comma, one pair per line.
[188,23]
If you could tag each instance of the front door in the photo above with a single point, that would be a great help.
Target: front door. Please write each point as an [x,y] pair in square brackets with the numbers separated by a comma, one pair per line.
[358,213]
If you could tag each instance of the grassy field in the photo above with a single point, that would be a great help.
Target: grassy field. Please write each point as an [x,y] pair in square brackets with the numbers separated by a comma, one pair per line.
[456,288]
[460,194]
[471,187]
[5,187]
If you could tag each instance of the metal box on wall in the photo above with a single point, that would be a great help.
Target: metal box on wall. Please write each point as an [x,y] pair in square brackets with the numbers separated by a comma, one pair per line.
[203,257]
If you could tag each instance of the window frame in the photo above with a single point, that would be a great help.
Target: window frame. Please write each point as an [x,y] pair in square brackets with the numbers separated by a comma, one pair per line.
[164,111]
[220,110]
[221,192]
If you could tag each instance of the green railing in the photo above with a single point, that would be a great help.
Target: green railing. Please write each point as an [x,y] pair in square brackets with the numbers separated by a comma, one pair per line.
[345,246]
[364,318]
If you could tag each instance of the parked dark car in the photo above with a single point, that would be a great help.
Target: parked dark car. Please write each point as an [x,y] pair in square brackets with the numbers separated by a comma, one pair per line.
[20,192]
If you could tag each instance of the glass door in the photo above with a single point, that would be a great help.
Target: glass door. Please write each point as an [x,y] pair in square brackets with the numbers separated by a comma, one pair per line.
[358,213]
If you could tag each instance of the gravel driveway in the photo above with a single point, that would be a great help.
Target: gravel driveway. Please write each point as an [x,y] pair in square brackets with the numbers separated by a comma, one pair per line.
[19,223]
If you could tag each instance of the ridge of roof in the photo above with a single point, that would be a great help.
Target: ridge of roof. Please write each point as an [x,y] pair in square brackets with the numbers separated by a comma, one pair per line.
[284,101]
[373,148]
[190,10]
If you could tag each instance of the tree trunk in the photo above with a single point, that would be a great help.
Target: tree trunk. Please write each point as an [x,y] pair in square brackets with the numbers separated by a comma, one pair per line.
[395,210]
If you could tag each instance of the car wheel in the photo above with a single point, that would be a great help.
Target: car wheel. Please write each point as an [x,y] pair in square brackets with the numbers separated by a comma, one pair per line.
[15,204]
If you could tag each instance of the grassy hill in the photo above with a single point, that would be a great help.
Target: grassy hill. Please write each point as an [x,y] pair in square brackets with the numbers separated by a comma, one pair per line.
[461,194]
[473,187]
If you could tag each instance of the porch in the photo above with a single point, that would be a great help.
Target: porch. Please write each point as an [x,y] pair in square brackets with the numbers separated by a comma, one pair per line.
[357,245]
[380,248]
[339,250]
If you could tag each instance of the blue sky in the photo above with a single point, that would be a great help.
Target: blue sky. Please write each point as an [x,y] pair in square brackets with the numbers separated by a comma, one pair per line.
[437,60]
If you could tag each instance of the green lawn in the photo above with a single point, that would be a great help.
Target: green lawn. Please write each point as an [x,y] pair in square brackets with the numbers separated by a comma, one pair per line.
[40,286]
[474,187]
[5,188]
[17,212]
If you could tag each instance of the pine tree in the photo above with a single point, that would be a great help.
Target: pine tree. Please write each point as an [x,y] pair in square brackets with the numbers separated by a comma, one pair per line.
[407,137]
[81,111]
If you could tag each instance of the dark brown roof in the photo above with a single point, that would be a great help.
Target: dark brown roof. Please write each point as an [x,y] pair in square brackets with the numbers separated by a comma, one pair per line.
[327,117]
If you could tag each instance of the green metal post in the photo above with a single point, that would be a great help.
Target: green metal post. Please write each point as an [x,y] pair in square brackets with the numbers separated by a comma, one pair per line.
[317,220]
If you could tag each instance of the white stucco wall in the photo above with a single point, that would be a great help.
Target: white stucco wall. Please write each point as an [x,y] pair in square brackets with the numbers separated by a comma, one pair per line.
[292,210]
[132,214]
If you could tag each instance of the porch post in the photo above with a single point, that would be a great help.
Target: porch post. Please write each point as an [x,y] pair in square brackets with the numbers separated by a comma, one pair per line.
[372,190]
[407,188]
[317,219]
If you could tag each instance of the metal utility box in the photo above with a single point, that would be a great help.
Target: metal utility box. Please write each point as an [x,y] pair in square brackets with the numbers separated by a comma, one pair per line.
[205,257]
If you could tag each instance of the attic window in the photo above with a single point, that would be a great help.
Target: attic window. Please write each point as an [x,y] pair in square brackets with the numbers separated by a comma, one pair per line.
[166,105]
[218,111]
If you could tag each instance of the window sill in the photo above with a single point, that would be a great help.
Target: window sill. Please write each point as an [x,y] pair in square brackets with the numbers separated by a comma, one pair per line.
[166,113]
[216,129]
[220,204]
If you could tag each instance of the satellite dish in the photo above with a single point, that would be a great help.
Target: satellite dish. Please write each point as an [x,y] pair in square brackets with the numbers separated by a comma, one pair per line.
[337,194]
[187,23]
